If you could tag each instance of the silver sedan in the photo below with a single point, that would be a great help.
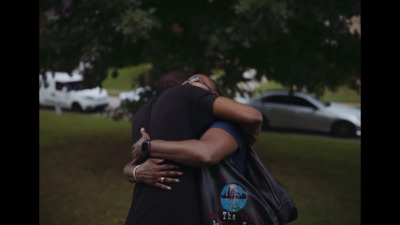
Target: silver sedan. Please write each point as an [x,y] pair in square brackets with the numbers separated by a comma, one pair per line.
[297,110]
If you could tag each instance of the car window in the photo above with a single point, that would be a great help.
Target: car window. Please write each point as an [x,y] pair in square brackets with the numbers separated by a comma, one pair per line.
[281,99]
[74,85]
[302,102]
[59,86]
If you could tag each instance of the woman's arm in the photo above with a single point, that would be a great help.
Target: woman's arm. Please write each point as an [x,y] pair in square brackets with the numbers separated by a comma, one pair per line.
[215,145]
[247,117]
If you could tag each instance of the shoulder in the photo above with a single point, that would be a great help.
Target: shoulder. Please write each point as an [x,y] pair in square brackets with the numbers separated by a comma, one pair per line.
[143,111]
[186,90]
[229,127]
[192,95]
[140,119]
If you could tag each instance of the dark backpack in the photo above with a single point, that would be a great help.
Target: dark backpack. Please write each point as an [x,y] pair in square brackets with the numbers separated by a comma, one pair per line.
[228,197]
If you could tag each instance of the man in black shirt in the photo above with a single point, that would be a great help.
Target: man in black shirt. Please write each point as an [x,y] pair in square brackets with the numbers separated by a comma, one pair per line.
[182,113]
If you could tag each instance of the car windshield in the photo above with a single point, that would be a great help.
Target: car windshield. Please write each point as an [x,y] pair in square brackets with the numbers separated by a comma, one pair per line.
[74,85]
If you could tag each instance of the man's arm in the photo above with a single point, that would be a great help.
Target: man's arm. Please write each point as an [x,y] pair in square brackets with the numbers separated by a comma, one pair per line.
[247,117]
[213,146]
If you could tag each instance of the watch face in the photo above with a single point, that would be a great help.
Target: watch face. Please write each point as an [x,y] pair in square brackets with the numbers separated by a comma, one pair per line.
[145,147]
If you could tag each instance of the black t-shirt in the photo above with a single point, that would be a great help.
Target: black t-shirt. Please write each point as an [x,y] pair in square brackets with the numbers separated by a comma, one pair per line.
[182,113]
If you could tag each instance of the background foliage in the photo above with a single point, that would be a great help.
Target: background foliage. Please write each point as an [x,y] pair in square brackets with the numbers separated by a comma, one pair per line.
[303,44]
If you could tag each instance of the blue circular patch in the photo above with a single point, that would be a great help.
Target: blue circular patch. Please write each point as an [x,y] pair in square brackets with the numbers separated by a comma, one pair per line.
[233,197]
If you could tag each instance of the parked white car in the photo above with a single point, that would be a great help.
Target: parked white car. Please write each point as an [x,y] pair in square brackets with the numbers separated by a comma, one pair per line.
[68,92]
[302,111]
[133,95]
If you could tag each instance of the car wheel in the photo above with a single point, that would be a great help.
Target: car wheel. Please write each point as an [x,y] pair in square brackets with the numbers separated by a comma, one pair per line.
[343,129]
[76,107]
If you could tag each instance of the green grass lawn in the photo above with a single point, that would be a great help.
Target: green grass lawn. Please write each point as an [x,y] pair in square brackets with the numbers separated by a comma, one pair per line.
[80,176]
[126,80]
[81,159]
[322,175]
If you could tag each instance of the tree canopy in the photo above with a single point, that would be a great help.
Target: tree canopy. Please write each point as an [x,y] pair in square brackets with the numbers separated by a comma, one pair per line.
[303,44]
